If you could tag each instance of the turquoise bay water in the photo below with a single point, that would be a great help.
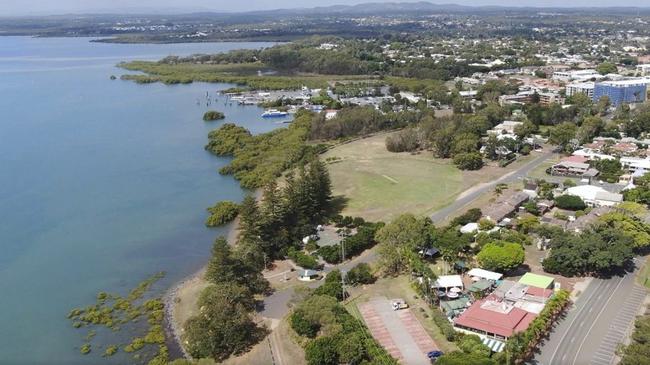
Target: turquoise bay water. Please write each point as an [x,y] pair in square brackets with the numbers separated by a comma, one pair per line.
[102,183]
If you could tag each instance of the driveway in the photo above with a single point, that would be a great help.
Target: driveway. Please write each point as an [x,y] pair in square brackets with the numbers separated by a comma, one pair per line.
[399,332]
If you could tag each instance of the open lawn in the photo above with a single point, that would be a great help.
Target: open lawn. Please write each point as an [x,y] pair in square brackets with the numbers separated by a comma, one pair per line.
[380,185]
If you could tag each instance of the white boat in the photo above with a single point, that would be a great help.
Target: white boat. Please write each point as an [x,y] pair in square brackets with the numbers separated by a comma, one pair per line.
[274,113]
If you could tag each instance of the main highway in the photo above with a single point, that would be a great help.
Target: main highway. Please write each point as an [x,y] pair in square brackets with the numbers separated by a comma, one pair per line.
[597,323]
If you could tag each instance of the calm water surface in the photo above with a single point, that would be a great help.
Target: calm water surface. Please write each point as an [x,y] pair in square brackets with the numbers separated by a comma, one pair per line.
[102,183]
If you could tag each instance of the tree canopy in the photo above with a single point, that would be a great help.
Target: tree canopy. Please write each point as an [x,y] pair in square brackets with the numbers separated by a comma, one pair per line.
[501,256]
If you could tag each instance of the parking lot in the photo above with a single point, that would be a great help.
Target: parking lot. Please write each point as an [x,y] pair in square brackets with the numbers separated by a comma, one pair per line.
[399,332]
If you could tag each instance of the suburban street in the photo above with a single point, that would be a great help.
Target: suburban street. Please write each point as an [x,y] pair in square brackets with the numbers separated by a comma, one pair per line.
[598,321]
[515,175]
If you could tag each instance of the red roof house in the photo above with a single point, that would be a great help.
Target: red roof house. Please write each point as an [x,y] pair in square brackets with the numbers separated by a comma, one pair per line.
[492,317]
[577,159]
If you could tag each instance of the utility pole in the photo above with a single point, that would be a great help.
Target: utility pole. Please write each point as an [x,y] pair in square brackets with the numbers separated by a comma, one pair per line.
[342,271]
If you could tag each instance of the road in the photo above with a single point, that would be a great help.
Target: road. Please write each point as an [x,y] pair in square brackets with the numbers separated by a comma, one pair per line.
[600,319]
[513,176]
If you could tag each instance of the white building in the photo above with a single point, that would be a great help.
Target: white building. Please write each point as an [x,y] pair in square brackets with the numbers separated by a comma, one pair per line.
[595,196]
[591,154]
[586,88]
[635,164]
[505,127]
[571,75]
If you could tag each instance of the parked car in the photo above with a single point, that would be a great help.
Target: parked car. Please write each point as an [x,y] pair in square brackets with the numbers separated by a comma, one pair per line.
[434,355]
[399,304]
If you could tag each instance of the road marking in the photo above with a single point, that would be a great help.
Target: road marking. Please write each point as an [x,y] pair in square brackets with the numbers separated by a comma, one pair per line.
[598,316]
[600,283]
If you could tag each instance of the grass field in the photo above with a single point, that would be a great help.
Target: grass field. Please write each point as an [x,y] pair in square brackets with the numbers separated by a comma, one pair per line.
[381,185]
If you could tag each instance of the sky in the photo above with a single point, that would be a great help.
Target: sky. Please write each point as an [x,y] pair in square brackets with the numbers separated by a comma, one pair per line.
[48,7]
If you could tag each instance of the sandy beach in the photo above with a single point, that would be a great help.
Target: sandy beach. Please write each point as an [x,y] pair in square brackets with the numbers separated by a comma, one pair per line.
[180,302]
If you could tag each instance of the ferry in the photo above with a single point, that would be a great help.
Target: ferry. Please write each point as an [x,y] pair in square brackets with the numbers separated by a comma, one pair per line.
[274,113]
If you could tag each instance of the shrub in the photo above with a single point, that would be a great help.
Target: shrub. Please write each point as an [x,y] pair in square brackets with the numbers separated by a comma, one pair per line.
[406,140]
[301,259]
[222,213]
[443,323]
[212,115]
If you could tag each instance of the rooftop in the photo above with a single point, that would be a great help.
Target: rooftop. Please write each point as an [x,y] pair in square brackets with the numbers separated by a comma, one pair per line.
[536,280]
[496,317]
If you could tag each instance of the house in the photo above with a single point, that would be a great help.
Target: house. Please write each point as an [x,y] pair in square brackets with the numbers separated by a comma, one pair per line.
[595,196]
[573,169]
[583,222]
[308,275]
[494,318]
[592,154]
[624,148]
[505,206]
[635,164]
[505,127]
[471,227]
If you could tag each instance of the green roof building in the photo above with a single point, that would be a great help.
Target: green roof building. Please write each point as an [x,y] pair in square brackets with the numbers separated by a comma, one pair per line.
[538,281]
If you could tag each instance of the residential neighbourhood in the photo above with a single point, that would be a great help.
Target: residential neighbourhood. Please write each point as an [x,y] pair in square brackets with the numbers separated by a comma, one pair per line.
[395,182]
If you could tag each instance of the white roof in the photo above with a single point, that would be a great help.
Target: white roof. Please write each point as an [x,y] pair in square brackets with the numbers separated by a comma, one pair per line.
[448,281]
[590,192]
[469,228]
[484,274]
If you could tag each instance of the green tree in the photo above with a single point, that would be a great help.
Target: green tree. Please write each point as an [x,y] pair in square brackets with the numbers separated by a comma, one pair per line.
[222,213]
[570,202]
[224,267]
[322,351]
[526,129]
[360,274]
[501,256]
[562,135]
[333,285]
[224,325]
[212,115]
[465,143]
[443,142]
[400,240]
[606,68]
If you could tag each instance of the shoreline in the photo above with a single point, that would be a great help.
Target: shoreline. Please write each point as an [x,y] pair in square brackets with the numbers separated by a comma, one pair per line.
[174,296]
